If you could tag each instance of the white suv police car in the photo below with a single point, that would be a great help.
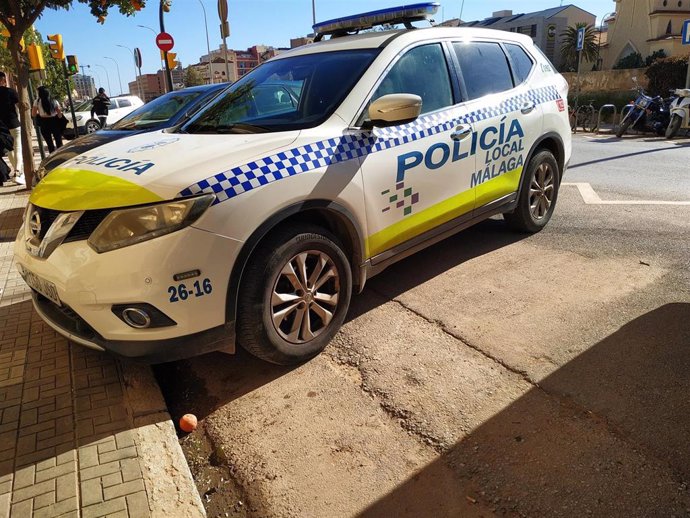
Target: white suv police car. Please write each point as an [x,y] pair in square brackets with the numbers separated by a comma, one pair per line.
[255,221]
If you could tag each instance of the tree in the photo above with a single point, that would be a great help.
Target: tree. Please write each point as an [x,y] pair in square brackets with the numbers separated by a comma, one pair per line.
[18,16]
[590,50]
[192,77]
[632,60]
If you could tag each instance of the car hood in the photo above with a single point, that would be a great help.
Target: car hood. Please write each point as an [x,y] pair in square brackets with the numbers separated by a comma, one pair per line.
[147,168]
[82,145]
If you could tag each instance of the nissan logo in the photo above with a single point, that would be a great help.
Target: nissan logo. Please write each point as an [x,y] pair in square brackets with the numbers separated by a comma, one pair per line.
[35,224]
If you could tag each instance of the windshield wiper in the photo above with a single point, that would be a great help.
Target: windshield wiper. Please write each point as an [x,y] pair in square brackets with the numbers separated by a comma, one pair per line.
[240,127]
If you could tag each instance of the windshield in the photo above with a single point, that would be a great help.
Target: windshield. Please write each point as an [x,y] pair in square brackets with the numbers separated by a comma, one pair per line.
[84,106]
[285,94]
[157,112]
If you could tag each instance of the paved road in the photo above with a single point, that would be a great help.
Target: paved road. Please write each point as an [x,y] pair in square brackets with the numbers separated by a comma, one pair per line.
[491,374]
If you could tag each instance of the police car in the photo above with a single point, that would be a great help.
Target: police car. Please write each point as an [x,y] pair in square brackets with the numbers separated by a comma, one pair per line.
[255,221]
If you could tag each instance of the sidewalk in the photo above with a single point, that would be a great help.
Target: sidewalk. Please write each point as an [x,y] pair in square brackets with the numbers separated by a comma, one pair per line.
[81,434]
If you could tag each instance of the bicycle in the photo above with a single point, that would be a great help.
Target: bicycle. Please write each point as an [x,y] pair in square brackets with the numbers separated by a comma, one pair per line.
[585,117]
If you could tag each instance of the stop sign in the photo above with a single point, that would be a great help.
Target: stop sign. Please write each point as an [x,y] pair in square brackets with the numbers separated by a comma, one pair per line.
[165,41]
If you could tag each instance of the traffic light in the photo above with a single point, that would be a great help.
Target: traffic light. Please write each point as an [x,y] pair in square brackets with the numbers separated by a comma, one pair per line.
[171,59]
[35,53]
[56,49]
[72,65]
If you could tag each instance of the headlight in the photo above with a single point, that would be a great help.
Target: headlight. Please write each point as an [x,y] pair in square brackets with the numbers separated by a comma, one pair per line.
[127,227]
[79,117]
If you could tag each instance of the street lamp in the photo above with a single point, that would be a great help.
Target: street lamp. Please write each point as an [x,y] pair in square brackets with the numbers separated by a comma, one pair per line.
[136,77]
[208,46]
[110,91]
[119,80]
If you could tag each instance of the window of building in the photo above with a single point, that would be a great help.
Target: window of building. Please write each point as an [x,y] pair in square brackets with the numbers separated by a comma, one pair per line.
[522,63]
[665,3]
[433,86]
[484,68]
[669,28]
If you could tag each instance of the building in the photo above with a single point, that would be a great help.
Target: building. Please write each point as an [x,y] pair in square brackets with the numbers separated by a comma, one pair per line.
[544,27]
[147,86]
[84,85]
[177,74]
[645,26]
[303,40]
[212,67]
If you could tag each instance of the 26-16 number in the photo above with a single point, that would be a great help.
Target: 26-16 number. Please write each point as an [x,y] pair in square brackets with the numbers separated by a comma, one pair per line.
[181,292]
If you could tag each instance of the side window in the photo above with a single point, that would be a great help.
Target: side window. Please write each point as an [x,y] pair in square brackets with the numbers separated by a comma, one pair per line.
[522,64]
[113,104]
[484,68]
[422,71]
[124,103]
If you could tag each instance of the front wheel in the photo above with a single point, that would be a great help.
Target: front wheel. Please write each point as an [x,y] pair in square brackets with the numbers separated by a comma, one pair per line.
[623,127]
[294,296]
[538,194]
[92,125]
[674,126]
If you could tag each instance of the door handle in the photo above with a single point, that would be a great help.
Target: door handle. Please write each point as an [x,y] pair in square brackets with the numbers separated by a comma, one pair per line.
[461,132]
[528,107]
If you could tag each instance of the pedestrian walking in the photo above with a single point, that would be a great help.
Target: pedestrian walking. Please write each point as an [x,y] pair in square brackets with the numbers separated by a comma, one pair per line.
[8,116]
[6,146]
[99,106]
[48,112]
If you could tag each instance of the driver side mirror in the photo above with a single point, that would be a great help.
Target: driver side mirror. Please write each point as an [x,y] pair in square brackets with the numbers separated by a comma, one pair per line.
[394,109]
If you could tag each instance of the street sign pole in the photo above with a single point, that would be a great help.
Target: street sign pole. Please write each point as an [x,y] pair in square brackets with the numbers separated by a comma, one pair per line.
[168,74]
[224,32]
[580,45]
[686,41]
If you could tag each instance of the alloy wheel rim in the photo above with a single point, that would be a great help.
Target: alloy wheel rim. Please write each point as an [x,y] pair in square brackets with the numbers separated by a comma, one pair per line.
[305,296]
[541,191]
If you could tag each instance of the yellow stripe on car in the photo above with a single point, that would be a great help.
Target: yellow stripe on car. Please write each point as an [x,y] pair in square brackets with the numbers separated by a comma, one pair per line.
[442,212]
[68,189]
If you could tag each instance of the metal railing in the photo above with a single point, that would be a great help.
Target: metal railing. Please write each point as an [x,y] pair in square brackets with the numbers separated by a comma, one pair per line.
[613,118]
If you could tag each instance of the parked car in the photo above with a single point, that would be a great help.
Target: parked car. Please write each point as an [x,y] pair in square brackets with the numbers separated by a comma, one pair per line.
[166,111]
[119,107]
[254,222]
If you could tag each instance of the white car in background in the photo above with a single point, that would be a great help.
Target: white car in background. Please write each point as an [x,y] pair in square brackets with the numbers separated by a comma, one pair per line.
[119,107]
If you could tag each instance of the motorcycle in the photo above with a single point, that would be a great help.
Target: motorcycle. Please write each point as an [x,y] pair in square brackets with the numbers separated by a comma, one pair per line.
[680,113]
[647,114]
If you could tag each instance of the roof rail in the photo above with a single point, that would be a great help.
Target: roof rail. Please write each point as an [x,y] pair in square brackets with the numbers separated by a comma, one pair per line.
[405,14]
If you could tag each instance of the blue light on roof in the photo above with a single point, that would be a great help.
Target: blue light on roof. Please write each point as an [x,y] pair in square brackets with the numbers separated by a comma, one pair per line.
[393,15]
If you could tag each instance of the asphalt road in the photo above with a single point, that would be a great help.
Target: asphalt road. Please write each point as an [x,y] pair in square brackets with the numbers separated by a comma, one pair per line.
[493,373]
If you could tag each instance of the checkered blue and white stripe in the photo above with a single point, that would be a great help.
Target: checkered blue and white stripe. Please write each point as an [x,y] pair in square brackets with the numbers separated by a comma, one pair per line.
[235,181]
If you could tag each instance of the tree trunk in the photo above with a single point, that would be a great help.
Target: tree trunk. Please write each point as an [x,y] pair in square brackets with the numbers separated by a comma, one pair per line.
[24,111]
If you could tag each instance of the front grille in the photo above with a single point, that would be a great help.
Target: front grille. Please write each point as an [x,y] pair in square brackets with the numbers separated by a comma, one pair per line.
[82,229]
[86,224]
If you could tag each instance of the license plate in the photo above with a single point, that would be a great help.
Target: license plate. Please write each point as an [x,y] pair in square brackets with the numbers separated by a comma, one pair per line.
[44,287]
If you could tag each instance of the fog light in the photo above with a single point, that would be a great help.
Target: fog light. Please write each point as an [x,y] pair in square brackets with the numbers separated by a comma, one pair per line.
[136,317]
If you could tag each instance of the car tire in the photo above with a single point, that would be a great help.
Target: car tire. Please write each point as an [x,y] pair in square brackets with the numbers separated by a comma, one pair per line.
[674,126]
[538,194]
[287,317]
[91,126]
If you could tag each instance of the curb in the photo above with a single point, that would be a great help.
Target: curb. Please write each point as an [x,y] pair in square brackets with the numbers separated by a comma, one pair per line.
[169,484]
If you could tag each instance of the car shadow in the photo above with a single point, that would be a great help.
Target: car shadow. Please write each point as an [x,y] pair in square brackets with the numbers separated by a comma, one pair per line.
[604,435]
[10,222]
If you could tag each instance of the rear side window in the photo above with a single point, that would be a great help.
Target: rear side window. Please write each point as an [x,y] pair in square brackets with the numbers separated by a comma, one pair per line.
[522,64]
[124,103]
[421,71]
[484,68]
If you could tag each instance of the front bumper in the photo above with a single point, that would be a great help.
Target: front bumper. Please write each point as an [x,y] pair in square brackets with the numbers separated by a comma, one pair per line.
[90,285]
[70,325]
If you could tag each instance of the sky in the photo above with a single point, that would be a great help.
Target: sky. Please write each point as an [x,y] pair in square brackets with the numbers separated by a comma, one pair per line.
[252,22]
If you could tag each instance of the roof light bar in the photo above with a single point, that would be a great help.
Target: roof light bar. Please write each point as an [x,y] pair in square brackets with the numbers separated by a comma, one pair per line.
[393,15]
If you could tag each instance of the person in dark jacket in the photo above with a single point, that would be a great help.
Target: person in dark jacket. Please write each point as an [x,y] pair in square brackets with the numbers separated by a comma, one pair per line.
[6,145]
[99,106]
[48,112]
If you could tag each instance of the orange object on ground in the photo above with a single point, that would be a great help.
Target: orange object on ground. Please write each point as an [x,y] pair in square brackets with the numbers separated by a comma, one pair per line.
[188,423]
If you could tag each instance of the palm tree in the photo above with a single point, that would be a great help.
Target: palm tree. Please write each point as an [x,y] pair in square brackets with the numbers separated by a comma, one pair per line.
[590,51]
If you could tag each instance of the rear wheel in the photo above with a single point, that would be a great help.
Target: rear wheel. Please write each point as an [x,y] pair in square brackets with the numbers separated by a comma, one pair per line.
[92,125]
[674,126]
[538,194]
[294,295]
